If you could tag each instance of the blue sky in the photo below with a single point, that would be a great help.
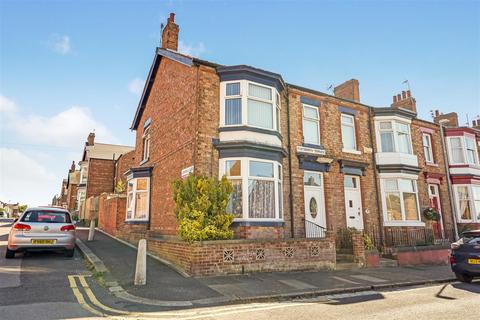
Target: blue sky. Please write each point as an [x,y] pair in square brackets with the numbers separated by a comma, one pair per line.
[68,67]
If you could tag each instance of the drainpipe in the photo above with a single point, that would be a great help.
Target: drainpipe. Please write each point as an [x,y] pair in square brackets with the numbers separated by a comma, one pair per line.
[290,195]
[449,181]
[374,162]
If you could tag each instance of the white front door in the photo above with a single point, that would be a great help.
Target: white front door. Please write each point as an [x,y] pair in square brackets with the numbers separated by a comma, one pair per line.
[314,204]
[353,202]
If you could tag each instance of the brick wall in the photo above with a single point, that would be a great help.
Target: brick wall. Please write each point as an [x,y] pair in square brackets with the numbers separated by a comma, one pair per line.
[171,107]
[100,176]
[123,163]
[242,256]
[72,197]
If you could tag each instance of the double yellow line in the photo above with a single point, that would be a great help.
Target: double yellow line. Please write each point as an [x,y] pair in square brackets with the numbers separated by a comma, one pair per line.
[98,308]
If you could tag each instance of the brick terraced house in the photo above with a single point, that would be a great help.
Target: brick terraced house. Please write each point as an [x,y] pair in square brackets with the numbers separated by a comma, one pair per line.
[304,165]
[97,171]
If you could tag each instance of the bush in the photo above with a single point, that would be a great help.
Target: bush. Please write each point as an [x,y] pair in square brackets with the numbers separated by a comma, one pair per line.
[367,242]
[200,207]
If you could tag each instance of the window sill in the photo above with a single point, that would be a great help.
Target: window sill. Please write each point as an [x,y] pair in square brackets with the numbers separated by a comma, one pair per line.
[431,164]
[136,221]
[404,224]
[352,151]
[259,223]
[144,161]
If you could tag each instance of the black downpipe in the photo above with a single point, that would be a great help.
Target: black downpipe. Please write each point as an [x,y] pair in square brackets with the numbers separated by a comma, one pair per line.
[290,196]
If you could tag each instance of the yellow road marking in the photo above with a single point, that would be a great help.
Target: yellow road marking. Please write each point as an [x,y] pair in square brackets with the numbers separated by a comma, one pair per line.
[80,298]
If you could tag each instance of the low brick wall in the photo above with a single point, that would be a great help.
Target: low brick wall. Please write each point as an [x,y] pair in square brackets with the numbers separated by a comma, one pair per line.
[242,256]
[421,255]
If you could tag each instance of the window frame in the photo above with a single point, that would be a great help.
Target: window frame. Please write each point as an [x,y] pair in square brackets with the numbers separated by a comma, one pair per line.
[403,222]
[394,121]
[245,177]
[351,125]
[430,148]
[463,147]
[310,119]
[146,144]
[244,97]
[134,192]
[472,203]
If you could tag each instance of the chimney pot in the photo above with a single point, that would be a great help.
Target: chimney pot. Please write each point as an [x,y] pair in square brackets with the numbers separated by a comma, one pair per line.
[404,95]
[409,94]
[172,17]
[394,99]
[399,97]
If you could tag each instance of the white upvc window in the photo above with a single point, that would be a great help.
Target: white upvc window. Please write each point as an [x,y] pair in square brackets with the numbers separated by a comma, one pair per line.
[138,199]
[146,144]
[83,173]
[250,104]
[311,125]
[394,136]
[462,150]
[257,188]
[400,201]
[348,132]
[427,147]
[467,199]
[80,198]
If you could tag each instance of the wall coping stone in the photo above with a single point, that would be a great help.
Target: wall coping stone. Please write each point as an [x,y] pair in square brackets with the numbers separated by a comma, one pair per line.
[421,248]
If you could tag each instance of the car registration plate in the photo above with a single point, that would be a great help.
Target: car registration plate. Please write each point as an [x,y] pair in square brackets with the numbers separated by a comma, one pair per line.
[43,241]
[473,261]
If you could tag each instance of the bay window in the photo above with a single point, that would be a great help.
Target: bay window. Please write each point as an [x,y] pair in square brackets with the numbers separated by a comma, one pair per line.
[468,202]
[400,198]
[462,150]
[395,136]
[427,147]
[250,104]
[348,132]
[257,188]
[311,125]
[138,199]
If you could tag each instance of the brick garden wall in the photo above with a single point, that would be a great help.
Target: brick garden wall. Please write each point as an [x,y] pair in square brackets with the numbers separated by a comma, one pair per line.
[243,256]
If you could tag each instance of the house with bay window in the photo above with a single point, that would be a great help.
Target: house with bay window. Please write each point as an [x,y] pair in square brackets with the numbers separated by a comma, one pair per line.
[464,166]
[301,162]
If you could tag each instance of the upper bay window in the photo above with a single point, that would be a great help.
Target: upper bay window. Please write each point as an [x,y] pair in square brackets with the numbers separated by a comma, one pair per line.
[394,136]
[311,125]
[462,150]
[250,104]
[138,199]
[257,188]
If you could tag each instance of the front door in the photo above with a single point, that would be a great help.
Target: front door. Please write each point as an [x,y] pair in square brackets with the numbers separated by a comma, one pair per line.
[435,203]
[353,202]
[314,204]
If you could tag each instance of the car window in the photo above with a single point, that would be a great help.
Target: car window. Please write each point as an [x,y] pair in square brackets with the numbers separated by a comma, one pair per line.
[46,217]
[471,240]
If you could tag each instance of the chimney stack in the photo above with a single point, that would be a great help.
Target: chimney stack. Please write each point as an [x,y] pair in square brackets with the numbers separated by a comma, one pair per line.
[348,90]
[405,101]
[91,139]
[72,167]
[452,118]
[170,34]
[476,124]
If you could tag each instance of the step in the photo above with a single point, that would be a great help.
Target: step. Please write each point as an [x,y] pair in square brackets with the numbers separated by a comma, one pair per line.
[345,257]
[386,263]
[346,266]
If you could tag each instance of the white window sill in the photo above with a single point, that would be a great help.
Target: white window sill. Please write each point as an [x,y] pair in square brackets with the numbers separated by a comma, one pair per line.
[352,151]
[403,224]
[431,164]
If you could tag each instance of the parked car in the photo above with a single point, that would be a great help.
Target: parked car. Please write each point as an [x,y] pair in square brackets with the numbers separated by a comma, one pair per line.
[42,228]
[465,256]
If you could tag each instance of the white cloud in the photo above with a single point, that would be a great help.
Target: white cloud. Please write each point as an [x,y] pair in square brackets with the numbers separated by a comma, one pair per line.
[24,179]
[7,106]
[194,50]
[60,43]
[136,86]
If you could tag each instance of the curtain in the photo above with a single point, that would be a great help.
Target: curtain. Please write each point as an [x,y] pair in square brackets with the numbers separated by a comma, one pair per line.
[233,111]
[348,137]
[387,141]
[261,199]
[260,114]
[234,205]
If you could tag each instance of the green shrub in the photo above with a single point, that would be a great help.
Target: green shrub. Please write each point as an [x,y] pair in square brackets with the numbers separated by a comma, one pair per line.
[200,207]
[367,242]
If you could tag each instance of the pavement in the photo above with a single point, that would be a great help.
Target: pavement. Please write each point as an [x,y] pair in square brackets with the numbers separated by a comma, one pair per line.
[167,287]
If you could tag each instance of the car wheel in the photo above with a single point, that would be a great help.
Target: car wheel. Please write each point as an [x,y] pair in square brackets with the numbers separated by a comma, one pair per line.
[69,253]
[463,277]
[9,254]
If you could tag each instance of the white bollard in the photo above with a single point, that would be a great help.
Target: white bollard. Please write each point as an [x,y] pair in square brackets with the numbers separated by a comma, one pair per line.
[91,232]
[141,267]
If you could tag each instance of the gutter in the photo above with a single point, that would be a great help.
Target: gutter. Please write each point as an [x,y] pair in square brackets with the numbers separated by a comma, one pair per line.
[289,146]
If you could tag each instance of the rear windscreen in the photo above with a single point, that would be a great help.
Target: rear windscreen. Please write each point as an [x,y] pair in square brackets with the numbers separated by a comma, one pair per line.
[46,216]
